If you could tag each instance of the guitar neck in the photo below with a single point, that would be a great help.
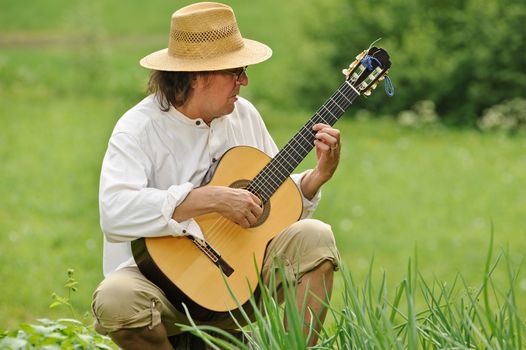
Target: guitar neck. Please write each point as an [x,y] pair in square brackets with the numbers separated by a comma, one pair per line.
[286,161]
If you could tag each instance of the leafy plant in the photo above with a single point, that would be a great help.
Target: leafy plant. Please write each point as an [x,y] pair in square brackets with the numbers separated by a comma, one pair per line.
[64,333]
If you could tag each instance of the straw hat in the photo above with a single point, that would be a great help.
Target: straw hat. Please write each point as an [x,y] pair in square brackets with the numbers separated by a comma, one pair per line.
[205,37]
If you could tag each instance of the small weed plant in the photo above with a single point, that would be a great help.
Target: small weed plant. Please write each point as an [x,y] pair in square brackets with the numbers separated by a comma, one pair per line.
[64,333]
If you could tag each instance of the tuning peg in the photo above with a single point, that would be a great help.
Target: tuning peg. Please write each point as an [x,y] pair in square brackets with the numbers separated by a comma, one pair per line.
[382,77]
[345,72]
[370,89]
[361,55]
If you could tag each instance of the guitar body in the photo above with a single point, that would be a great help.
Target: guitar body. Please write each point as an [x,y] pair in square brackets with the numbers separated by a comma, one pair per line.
[187,275]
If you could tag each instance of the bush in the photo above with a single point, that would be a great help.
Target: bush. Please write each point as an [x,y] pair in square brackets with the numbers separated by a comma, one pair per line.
[464,55]
[508,117]
[422,114]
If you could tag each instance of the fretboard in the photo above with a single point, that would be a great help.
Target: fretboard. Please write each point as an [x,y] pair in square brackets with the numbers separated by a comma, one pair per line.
[283,164]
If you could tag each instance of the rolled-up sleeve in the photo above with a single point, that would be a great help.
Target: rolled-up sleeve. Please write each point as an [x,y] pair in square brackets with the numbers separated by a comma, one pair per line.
[128,207]
[309,205]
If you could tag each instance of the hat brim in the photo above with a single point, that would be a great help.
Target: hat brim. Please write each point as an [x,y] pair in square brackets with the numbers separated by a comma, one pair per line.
[252,52]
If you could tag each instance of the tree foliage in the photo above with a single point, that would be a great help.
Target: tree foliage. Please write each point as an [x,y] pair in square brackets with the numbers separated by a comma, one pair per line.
[464,55]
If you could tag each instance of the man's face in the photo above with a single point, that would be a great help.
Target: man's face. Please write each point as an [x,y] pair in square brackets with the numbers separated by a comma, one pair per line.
[217,92]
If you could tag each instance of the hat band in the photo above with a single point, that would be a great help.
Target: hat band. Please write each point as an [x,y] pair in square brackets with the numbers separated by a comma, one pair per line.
[201,37]
[201,45]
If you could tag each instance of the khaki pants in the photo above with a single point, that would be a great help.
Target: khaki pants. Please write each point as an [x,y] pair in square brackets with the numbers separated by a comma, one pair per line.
[126,299]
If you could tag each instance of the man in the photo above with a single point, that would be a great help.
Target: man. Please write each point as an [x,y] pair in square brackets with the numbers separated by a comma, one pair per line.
[158,156]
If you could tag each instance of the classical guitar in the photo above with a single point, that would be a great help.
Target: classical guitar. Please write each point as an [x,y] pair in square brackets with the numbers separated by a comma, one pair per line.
[203,274]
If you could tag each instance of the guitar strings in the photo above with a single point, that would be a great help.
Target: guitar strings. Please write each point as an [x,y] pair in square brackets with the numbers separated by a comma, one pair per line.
[321,114]
[298,143]
[269,185]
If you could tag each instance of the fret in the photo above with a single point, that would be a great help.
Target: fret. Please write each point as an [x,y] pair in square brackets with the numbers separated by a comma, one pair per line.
[345,97]
[337,105]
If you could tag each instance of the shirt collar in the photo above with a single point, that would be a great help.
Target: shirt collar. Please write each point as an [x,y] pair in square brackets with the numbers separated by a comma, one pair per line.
[183,118]
[195,122]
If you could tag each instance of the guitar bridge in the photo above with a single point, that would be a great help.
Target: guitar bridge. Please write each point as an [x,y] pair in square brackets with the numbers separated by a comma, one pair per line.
[212,254]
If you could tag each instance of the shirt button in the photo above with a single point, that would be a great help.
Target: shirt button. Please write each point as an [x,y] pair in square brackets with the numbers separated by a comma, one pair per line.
[214,160]
[198,122]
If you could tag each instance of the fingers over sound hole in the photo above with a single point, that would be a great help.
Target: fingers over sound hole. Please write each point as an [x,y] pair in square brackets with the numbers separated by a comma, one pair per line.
[264,205]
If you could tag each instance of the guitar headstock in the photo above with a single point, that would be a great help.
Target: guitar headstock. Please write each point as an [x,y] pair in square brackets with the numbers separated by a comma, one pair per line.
[370,67]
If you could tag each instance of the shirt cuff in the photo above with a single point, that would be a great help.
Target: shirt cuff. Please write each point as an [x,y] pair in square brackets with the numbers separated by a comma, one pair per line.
[175,196]
[309,205]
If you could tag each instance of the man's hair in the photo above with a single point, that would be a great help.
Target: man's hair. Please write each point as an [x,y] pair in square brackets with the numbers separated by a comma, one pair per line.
[171,88]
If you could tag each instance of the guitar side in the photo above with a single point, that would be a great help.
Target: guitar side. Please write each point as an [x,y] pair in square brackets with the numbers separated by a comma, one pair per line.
[188,276]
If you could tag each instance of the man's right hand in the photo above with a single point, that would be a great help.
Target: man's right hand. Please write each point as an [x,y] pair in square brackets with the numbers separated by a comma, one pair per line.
[239,205]
[236,204]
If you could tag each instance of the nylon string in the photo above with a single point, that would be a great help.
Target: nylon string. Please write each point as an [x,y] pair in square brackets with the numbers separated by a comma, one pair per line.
[223,228]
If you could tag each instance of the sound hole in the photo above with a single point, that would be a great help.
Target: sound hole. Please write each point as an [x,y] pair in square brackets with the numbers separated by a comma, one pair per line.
[265,205]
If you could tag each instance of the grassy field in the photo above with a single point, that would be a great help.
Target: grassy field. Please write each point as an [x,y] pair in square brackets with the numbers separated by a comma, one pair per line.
[68,70]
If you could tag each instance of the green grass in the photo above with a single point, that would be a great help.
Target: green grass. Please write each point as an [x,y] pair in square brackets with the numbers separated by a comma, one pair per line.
[422,313]
[440,190]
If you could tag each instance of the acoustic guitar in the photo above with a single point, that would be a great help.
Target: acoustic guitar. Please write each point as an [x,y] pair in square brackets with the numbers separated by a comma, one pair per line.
[206,274]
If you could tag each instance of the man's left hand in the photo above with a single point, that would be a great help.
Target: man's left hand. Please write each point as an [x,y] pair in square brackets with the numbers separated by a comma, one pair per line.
[328,147]
[327,143]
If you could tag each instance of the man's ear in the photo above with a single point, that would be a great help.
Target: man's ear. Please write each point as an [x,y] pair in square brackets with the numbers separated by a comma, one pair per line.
[201,80]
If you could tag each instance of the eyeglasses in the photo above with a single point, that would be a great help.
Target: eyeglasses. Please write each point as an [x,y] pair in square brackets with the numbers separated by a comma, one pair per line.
[236,72]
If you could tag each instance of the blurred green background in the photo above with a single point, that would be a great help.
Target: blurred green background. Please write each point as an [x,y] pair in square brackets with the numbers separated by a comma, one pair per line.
[435,169]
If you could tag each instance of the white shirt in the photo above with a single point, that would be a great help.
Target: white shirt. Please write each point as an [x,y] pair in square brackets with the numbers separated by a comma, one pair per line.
[154,159]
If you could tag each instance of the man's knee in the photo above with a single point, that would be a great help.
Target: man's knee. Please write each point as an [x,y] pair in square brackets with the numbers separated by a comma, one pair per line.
[301,248]
[314,233]
[119,303]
